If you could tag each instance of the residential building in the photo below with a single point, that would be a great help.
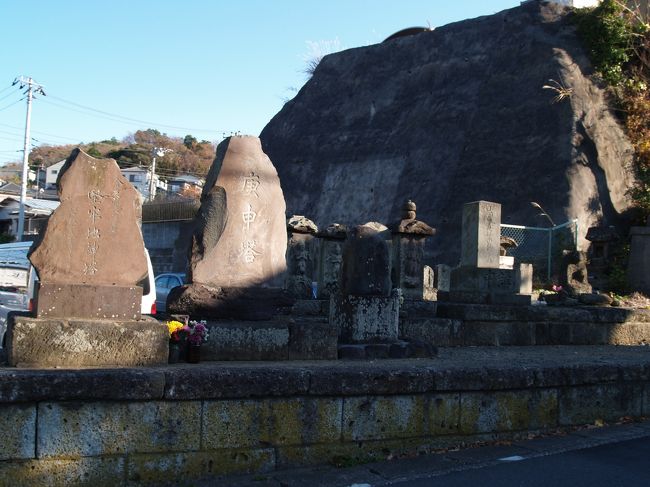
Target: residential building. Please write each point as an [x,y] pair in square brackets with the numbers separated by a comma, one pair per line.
[140,178]
[184,182]
[37,212]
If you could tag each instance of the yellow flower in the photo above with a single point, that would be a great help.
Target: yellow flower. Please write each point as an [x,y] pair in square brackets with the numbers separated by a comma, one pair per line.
[173,326]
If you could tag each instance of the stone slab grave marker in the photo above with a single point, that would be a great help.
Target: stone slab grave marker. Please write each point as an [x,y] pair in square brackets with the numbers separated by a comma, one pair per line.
[92,245]
[480,236]
[479,278]
[90,259]
[302,251]
[238,262]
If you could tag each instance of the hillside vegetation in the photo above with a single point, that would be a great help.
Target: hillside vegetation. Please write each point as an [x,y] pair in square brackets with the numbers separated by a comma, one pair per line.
[185,156]
[617,38]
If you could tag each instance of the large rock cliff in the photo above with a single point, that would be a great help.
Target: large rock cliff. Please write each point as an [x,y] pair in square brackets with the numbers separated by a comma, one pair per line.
[455,115]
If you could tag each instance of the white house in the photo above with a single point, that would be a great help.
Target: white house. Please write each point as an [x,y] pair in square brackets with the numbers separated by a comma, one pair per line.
[140,178]
[52,173]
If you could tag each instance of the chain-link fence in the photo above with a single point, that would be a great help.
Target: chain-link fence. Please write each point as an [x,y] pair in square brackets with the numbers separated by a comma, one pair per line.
[542,247]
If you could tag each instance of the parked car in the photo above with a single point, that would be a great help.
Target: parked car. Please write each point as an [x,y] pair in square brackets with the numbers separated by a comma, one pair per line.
[165,283]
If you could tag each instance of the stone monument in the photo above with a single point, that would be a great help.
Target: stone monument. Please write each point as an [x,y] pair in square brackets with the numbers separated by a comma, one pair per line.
[638,274]
[409,236]
[366,308]
[330,259]
[237,263]
[574,277]
[301,253]
[480,277]
[91,263]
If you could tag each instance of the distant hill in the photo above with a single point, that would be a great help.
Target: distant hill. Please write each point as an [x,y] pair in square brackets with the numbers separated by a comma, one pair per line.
[455,115]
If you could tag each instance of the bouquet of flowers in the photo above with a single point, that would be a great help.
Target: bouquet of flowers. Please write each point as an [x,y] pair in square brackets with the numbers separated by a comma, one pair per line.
[175,328]
[196,332]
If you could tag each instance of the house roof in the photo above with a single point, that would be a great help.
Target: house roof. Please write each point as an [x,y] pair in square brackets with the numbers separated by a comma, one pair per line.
[56,165]
[186,178]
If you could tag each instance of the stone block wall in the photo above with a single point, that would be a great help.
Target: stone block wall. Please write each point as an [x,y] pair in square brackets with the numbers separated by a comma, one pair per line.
[184,423]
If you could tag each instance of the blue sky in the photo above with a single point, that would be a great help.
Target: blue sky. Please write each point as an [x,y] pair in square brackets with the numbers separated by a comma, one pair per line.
[206,67]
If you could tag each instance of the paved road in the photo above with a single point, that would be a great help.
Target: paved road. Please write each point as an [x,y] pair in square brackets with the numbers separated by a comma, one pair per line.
[619,464]
[611,456]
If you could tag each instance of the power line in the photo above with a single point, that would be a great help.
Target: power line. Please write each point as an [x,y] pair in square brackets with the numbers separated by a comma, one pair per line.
[7,96]
[12,104]
[129,119]
[7,88]
[40,132]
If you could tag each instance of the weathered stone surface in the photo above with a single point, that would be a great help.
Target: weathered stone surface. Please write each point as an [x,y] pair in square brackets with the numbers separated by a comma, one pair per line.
[291,421]
[108,428]
[256,303]
[595,299]
[301,224]
[429,293]
[39,342]
[389,417]
[508,411]
[89,301]
[206,381]
[158,469]
[365,318]
[246,341]
[573,274]
[248,249]
[302,251]
[312,340]
[639,261]
[366,261]
[442,277]
[93,238]
[482,285]
[480,237]
[329,271]
[408,265]
[361,127]
[581,405]
[24,385]
[18,432]
[83,472]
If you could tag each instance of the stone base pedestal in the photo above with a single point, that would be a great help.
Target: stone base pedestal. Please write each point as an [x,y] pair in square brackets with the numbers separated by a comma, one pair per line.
[88,301]
[360,319]
[274,340]
[478,285]
[254,303]
[40,342]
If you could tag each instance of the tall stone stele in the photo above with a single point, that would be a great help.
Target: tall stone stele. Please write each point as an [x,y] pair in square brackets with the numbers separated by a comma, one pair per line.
[480,278]
[91,264]
[330,259]
[237,262]
[409,237]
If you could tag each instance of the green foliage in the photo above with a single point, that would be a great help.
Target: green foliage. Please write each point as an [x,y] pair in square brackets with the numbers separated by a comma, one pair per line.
[608,33]
[92,151]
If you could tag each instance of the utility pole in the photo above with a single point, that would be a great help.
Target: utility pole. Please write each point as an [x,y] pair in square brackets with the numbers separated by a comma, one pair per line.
[160,152]
[32,87]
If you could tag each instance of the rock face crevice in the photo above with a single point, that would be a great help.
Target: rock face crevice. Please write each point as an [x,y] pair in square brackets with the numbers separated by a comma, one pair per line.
[455,115]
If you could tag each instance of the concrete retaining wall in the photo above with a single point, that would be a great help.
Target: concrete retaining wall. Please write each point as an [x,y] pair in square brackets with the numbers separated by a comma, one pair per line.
[174,424]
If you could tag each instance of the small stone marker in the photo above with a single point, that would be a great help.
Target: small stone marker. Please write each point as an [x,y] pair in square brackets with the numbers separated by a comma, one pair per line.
[91,255]
[409,238]
[301,253]
[480,237]
[331,259]
[245,245]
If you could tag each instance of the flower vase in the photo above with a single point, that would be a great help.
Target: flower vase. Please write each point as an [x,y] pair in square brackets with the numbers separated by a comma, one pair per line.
[174,352]
[193,353]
